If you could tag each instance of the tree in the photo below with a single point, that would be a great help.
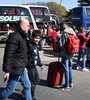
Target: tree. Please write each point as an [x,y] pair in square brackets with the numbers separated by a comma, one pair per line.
[54,8]
[57,9]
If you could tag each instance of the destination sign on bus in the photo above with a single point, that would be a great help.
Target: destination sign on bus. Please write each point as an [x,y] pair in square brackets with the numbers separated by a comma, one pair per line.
[11,18]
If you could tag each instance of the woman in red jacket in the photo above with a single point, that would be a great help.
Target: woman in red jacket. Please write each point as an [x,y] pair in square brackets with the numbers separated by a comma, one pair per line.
[82,50]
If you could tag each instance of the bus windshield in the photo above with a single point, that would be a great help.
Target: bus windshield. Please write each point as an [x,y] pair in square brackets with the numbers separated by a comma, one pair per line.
[80,17]
[10,15]
[41,14]
[88,11]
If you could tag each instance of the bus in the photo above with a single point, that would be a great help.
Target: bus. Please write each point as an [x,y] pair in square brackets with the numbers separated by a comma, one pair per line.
[41,14]
[9,17]
[54,19]
[80,17]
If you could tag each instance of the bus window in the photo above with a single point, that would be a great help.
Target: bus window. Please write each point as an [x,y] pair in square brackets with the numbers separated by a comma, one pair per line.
[88,11]
[36,11]
[41,14]
[46,12]
[13,26]
[12,11]
[4,27]
[0,27]
[0,11]
[31,26]
[5,11]
[17,11]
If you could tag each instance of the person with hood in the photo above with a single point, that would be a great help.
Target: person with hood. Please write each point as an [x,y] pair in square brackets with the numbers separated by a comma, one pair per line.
[65,56]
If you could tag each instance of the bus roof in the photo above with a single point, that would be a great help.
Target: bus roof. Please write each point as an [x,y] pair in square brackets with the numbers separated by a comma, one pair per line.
[82,7]
[22,5]
[34,5]
[4,5]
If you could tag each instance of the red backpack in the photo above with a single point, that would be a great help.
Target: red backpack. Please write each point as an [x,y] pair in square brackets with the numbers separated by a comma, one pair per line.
[72,45]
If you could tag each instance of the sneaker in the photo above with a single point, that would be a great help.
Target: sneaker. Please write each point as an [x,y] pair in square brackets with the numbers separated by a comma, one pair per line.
[78,68]
[71,86]
[85,69]
[34,98]
[66,88]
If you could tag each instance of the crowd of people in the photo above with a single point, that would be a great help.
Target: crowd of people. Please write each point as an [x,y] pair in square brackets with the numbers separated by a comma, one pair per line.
[21,56]
[67,58]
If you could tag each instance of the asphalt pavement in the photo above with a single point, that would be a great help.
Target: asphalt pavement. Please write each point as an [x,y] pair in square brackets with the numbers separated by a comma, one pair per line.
[81,80]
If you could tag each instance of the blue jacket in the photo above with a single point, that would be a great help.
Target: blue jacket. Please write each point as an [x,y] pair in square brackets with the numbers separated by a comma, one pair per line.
[33,55]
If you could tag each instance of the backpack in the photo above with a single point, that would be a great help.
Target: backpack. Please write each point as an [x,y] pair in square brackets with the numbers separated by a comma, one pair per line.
[72,44]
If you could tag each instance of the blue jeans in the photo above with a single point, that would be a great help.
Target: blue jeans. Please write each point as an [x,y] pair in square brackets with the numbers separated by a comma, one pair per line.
[11,85]
[82,53]
[67,68]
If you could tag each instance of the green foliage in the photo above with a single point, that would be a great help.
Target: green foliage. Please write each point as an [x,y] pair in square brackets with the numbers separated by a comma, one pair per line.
[54,8]
[57,9]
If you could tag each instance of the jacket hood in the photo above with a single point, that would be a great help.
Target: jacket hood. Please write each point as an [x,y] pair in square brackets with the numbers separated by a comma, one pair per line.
[69,31]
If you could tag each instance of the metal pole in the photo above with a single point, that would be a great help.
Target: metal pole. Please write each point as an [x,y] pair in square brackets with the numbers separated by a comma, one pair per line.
[60,2]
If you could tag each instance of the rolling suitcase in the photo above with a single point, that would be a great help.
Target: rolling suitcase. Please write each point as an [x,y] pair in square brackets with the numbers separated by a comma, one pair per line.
[55,74]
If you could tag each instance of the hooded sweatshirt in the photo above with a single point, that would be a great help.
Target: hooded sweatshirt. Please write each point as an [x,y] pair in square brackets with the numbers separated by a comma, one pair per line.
[63,39]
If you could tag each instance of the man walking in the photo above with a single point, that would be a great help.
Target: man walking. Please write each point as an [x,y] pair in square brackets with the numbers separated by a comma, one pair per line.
[15,61]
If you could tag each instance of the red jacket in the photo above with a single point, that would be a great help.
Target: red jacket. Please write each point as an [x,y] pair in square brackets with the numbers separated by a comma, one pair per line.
[83,40]
[54,35]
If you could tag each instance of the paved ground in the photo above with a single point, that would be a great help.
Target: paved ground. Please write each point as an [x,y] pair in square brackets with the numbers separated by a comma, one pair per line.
[81,80]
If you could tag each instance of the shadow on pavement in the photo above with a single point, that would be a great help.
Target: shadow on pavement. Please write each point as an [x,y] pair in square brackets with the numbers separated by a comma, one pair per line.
[17,96]
[50,53]
[43,82]
[14,96]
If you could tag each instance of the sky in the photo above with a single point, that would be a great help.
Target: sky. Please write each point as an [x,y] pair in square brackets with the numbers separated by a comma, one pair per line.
[69,4]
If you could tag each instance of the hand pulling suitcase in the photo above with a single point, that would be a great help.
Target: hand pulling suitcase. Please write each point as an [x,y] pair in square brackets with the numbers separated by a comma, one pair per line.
[55,74]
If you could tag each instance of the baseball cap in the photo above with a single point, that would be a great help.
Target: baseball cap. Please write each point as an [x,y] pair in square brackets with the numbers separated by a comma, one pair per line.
[62,23]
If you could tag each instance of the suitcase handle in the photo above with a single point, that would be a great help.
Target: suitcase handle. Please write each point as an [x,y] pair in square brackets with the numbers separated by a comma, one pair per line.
[59,58]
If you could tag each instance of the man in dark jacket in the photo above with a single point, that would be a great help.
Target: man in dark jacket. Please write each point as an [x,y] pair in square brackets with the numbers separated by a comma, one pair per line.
[15,61]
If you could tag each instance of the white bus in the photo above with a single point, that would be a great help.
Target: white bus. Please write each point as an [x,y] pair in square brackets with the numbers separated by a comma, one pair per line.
[9,17]
[41,14]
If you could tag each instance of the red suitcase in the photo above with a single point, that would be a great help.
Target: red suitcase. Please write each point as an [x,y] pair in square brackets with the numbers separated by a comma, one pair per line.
[55,74]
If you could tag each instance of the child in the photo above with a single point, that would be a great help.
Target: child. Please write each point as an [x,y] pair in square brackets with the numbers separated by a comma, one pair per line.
[34,60]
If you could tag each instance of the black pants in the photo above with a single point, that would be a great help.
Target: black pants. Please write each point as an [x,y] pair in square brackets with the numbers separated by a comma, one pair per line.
[34,78]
